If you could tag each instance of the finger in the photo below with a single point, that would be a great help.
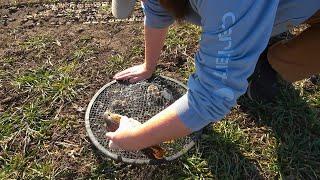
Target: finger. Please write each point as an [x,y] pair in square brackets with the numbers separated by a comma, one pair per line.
[135,79]
[113,146]
[109,135]
[134,122]
[123,72]
[125,76]
[122,77]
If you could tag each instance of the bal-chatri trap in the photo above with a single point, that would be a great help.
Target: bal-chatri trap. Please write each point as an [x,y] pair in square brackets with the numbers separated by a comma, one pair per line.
[139,101]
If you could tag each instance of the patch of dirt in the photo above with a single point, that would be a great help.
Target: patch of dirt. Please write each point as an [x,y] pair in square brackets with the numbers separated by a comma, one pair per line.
[51,36]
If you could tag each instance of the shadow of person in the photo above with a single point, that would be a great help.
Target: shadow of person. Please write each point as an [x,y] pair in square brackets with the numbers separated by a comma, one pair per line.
[296,127]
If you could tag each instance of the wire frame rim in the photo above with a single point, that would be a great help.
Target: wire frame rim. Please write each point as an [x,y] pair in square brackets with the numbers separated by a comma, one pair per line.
[116,157]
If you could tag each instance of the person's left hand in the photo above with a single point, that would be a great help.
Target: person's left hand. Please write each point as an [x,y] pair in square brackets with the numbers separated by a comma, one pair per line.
[123,137]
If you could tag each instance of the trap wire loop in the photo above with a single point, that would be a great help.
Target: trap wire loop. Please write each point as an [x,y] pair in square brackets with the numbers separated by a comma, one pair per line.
[139,101]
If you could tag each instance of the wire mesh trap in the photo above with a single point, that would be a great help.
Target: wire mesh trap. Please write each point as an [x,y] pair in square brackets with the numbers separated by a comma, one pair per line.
[139,101]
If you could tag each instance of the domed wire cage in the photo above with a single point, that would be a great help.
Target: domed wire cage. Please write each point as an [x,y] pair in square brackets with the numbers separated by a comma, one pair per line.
[139,101]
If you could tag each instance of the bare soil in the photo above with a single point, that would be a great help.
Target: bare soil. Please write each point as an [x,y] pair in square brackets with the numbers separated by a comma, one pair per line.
[36,35]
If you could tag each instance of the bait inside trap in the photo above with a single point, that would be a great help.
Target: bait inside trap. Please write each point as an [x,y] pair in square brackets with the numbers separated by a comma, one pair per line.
[139,101]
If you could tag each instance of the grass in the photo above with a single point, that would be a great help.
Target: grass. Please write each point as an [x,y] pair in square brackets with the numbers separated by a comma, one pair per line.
[187,69]
[42,134]
[313,96]
[116,63]
[295,125]
[50,85]
[21,128]
[81,53]
[137,51]
[9,60]
[37,42]
[182,36]
[34,121]
[179,48]
[105,8]
[40,47]
[2,74]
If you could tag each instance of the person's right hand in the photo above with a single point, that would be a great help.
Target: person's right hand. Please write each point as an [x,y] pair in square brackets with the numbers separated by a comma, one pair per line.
[134,74]
[125,127]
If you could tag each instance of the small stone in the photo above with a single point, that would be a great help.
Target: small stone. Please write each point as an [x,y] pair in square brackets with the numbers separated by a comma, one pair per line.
[68,23]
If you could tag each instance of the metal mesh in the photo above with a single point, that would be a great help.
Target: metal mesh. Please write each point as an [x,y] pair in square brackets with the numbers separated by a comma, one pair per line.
[140,101]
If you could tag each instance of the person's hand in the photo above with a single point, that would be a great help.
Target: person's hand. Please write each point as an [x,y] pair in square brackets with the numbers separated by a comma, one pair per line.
[135,74]
[120,139]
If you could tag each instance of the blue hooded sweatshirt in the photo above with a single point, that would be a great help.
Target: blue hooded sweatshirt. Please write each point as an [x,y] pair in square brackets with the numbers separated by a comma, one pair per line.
[234,34]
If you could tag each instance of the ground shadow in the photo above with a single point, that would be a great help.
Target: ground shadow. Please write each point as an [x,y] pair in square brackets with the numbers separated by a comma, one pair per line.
[296,127]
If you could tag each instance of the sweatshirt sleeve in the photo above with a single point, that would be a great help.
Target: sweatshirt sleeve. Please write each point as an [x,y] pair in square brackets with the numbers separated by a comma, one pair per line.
[233,37]
[155,15]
